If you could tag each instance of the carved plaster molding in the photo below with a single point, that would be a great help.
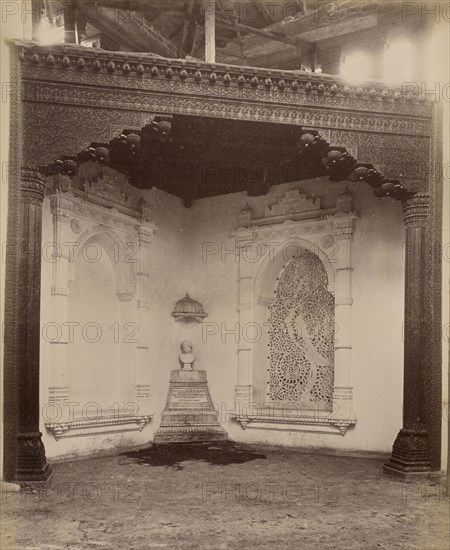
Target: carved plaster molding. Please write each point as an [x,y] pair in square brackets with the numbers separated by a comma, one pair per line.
[299,423]
[71,206]
[97,427]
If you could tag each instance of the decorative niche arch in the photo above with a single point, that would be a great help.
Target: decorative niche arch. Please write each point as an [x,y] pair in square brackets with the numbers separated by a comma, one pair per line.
[97,213]
[273,264]
[301,334]
[266,286]
[294,226]
[115,247]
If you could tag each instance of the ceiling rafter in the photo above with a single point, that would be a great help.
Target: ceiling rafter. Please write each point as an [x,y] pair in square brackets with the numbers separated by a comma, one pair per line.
[291,41]
[186,23]
[265,14]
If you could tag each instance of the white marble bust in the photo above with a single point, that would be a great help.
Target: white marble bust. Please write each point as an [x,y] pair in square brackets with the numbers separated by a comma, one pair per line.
[186,356]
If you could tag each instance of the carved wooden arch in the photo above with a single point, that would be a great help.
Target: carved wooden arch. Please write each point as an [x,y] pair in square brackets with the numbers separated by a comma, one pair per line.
[124,154]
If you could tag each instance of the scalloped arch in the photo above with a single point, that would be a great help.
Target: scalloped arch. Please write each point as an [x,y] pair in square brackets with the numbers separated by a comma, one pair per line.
[272,266]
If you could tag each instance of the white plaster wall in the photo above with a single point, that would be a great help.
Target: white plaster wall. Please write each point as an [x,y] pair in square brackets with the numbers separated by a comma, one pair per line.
[377,313]
[179,264]
[93,367]
[95,301]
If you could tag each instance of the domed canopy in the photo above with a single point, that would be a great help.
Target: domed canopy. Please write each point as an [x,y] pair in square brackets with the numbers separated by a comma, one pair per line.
[188,309]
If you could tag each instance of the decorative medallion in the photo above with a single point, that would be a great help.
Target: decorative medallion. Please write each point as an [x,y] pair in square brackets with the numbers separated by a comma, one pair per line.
[75,225]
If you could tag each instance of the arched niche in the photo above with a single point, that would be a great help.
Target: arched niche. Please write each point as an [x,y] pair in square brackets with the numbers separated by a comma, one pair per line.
[100,283]
[294,363]
[120,250]
[93,358]
[294,226]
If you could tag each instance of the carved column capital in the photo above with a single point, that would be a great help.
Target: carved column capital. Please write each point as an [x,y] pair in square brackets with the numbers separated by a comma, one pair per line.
[145,235]
[415,209]
[343,228]
[33,186]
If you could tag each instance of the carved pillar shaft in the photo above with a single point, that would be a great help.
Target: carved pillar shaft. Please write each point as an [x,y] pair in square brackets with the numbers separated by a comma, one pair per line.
[411,452]
[143,375]
[59,348]
[243,393]
[342,391]
[31,461]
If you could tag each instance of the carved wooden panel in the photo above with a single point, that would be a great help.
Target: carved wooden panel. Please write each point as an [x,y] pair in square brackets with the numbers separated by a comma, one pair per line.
[54,130]
[405,157]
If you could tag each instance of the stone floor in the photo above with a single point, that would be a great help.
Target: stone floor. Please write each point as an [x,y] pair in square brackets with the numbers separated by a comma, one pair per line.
[234,497]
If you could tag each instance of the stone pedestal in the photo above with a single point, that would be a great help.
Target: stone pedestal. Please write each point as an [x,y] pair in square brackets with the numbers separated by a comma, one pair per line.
[189,415]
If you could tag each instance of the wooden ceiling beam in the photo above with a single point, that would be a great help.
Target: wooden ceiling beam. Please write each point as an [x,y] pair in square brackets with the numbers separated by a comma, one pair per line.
[209,9]
[187,21]
[221,55]
[291,41]
[265,14]
[124,33]
[284,58]
[198,34]
[321,21]
[138,5]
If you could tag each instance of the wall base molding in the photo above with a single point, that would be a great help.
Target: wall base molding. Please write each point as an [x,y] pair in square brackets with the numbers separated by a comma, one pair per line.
[317,424]
[99,426]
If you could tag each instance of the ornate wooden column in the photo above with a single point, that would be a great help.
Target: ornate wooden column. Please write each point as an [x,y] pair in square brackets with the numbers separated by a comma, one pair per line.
[31,461]
[411,449]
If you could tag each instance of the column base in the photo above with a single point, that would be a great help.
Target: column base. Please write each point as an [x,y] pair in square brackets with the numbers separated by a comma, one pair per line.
[7,488]
[410,455]
[32,466]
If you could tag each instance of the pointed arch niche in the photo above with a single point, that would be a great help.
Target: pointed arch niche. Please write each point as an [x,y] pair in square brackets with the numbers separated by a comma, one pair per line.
[295,290]
[97,343]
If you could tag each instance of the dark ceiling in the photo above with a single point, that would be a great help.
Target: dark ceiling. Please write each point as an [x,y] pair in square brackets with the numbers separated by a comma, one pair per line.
[207,156]
[194,157]
[284,34]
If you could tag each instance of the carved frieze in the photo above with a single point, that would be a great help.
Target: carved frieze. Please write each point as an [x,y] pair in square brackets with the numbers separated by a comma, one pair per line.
[312,114]
[170,76]
[53,129]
